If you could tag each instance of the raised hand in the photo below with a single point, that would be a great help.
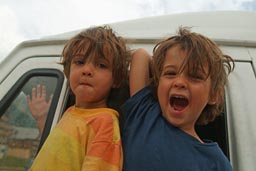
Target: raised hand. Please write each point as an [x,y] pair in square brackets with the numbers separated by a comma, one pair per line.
[38,105]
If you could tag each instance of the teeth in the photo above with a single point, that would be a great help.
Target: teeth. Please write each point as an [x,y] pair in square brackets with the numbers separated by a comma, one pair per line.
[180,97]
[178,102]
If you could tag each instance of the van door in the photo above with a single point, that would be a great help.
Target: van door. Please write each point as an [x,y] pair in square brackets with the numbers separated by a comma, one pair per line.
[20,135]
[241,116]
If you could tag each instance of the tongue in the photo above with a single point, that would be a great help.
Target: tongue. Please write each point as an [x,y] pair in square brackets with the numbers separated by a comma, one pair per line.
[180,104]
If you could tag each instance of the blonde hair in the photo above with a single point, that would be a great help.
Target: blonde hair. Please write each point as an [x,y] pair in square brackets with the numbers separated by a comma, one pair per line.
[200,50]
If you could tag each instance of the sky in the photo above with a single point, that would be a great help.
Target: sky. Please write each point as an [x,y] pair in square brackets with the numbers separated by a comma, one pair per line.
[22,20]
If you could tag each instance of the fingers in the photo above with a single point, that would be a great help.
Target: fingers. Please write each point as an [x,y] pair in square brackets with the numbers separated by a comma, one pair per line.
[36,92]
[39,93]
[43,91]
[39,90]
[33,93]
[37,102]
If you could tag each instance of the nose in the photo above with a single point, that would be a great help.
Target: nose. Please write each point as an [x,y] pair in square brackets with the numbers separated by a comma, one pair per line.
[88,69]
[180,81]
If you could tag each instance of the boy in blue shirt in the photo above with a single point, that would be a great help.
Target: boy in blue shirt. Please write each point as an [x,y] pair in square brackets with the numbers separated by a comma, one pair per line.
[189,74]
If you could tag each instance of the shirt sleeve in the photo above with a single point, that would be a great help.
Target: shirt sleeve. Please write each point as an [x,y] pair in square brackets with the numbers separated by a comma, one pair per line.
[136,102]
[105,151]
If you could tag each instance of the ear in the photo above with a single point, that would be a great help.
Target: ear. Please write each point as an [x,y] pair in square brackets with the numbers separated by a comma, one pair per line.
[212,101]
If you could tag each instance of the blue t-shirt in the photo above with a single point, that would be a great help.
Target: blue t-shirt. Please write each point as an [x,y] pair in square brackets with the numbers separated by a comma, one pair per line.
[152,143]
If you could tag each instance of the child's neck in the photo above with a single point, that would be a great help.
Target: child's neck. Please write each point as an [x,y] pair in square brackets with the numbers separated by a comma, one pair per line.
[193,134]
[91,105]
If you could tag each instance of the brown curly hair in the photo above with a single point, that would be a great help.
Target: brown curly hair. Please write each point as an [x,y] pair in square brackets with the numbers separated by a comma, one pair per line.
[200,50]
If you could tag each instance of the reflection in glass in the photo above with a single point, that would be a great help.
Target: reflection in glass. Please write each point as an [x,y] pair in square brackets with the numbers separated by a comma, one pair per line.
[19,132]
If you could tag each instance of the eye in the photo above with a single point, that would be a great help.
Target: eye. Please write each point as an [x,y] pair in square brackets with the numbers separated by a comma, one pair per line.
[197,77]
[169,73]
[78,62]
[102,65]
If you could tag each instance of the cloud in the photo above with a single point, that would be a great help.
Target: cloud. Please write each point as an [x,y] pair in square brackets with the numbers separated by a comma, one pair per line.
[10,34]
[51,17]
[173,6]
[30,19]
[249,5]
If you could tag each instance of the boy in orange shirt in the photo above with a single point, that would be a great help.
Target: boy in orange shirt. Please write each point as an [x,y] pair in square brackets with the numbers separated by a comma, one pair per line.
[88,137]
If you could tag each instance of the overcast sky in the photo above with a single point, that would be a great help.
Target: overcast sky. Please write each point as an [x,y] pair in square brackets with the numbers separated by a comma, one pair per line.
[32,19]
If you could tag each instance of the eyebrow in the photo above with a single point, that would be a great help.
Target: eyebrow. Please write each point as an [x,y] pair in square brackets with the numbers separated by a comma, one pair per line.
[102,59]
[169,66]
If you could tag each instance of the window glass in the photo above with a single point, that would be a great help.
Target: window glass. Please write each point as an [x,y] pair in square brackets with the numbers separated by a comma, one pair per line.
[20,127]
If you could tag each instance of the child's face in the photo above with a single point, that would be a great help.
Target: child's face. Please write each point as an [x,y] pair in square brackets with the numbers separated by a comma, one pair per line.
[91,81]
[182,97]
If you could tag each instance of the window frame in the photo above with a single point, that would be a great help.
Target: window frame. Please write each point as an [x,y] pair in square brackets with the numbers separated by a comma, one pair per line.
[17,87]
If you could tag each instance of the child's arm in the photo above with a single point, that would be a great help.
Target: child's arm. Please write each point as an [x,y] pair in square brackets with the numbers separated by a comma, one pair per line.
[139,70]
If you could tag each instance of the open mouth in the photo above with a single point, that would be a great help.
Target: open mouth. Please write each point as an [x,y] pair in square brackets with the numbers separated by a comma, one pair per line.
[178,102]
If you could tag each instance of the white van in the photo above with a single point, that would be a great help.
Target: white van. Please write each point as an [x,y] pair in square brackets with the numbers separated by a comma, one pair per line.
[36,62]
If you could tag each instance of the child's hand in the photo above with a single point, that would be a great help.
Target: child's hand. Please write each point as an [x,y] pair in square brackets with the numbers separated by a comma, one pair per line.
[38,105]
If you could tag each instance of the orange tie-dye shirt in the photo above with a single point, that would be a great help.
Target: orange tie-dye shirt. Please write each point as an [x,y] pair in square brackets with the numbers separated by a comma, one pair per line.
[84,139]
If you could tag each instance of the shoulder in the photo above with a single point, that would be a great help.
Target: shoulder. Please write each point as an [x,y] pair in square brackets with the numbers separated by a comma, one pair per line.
[103,117]
[141,96]
[142,99]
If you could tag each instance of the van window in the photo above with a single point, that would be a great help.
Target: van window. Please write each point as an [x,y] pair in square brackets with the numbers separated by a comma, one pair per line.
[20,133]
